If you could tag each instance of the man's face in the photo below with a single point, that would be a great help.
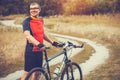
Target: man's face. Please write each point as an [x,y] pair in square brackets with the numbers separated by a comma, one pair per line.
[34,10]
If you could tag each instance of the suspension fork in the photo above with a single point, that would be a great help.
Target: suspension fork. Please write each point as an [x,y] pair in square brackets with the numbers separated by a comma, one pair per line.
[68,62]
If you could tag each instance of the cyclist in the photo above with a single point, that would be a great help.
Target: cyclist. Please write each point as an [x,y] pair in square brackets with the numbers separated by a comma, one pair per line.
[33,29]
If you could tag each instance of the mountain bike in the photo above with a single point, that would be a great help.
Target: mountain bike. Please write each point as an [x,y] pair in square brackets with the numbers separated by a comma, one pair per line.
[67,70]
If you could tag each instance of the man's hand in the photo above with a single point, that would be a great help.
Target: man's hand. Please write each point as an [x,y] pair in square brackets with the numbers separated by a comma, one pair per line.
[55,44]
[41,47]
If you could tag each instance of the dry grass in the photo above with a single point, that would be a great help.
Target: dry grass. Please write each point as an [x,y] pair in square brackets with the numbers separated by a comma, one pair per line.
[84,55]
[83,20]
[12,17]
[11,50]
[104,29]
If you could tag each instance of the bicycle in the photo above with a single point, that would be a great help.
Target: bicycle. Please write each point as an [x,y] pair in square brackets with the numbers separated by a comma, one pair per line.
[68,70]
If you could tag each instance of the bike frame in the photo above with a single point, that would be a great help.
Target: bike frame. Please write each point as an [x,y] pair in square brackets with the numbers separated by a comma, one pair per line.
[64,61]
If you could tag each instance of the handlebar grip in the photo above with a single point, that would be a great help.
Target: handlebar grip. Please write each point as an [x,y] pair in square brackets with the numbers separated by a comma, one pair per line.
[47,47]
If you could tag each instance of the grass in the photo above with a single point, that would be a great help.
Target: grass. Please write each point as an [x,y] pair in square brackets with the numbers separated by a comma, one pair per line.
[103,29]
[11,51]
[11,17]
[84,55]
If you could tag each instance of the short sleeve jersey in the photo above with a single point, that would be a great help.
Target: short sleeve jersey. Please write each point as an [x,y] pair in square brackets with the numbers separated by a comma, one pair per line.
[35,26]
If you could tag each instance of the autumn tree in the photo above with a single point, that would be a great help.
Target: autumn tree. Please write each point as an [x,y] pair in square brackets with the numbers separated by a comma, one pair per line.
[56,7]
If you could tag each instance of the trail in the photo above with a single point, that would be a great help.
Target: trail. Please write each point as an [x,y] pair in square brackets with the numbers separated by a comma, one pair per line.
[9,23]
[99,57]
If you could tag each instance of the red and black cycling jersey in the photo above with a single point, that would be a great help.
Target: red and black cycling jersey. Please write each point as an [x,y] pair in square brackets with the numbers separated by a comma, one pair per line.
[36,28]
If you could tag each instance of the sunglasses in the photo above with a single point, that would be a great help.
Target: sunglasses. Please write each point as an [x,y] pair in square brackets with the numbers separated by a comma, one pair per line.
[34,8]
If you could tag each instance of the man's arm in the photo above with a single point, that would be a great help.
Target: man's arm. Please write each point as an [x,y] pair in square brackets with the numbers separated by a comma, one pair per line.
[30,38]
[47,39]
[54,43]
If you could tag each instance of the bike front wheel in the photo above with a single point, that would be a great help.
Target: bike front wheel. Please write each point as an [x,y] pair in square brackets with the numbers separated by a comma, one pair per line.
[37,74]
[72,71]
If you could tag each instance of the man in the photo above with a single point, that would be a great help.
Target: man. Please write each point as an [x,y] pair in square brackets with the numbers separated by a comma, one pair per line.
[33,29]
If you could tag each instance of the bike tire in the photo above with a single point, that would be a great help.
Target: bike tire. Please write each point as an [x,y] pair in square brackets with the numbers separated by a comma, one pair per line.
[69,72]
[41,74]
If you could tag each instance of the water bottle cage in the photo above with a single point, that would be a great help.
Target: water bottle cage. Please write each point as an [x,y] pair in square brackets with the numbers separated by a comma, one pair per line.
[56,72]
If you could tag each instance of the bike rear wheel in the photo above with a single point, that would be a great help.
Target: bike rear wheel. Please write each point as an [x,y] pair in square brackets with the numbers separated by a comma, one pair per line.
[72,71]
[37,74]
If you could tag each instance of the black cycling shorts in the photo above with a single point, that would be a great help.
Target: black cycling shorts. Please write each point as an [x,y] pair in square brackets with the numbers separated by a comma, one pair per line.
[32,60]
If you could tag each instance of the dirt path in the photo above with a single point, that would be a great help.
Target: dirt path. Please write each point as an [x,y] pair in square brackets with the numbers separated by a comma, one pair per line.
[10,23]
[100,55]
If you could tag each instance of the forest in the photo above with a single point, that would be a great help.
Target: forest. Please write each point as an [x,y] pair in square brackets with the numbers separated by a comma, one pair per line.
[61,7]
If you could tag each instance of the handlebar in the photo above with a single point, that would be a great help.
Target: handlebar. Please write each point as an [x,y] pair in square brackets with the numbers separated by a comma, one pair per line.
[67,44]
[70,44]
